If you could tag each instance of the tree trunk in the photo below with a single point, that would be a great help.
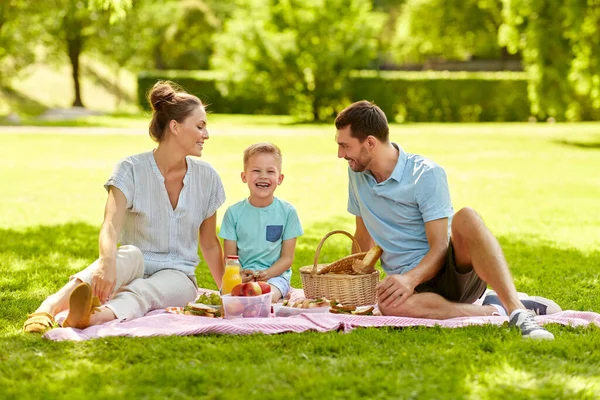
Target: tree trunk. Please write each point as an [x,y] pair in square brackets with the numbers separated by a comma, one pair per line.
[315,108]
[159,62]
[117,88]
[75,45]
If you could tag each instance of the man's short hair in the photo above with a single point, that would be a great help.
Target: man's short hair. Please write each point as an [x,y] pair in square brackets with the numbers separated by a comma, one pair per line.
[365,119]
[264,147]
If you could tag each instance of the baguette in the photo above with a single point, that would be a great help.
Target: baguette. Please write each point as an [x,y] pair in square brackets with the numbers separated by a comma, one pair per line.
[367,264]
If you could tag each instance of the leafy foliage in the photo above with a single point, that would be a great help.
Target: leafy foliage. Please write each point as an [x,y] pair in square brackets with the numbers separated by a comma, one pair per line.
[296,52]
[448,29]
[560,43]
[146,39]
[19,27]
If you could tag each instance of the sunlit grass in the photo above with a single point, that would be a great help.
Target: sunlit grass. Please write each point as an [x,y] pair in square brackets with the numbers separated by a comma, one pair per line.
[537,187]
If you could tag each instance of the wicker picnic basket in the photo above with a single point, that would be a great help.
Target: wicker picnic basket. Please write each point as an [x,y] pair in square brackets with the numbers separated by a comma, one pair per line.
[339,280]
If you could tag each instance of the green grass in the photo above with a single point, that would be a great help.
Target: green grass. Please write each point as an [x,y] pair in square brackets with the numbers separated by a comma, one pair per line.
[537,187]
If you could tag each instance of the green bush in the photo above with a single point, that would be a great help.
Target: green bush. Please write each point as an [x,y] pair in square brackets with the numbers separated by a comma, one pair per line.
[428,96]
[436,96]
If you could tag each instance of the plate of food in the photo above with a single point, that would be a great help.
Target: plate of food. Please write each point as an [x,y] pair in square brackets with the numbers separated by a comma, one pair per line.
[203,310]
[206,305]
[290,308]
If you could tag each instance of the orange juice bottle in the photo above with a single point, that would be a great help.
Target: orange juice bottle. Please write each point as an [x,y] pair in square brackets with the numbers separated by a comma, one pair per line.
[232,274]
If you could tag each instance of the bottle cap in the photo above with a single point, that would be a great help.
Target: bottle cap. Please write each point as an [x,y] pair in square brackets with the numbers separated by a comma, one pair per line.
[234,257]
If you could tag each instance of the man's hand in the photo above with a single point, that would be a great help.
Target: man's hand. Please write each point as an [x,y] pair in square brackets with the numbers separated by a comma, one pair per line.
[104,279]
[394,290]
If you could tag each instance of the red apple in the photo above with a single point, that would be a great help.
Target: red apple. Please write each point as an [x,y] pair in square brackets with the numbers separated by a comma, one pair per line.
[251,289]
[264,287]
[237,290]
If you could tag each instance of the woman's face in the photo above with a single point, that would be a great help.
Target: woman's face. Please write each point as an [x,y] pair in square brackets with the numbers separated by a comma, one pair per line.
[192,132]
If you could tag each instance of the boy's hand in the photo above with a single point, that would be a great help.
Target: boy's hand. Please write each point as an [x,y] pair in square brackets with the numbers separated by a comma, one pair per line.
[261,276]
[247,275]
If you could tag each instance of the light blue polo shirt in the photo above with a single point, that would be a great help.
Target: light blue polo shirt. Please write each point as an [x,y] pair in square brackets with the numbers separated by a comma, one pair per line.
[260,232]
[395,210]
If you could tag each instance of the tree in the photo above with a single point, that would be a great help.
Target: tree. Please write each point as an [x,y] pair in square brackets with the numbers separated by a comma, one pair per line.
[146,39]
[448,29]
[74,26]
[298,52]
[19,28]
[560,42]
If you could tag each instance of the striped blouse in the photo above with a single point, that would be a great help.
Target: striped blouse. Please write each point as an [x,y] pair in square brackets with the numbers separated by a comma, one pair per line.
[167,238]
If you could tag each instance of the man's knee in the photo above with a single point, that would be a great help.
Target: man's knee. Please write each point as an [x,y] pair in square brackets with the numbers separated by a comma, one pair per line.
[465,223]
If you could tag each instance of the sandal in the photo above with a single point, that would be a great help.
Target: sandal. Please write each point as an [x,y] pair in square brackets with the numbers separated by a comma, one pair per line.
[39,322]
[81,306]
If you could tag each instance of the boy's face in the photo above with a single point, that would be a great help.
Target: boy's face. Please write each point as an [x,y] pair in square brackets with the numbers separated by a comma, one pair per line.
[262,174]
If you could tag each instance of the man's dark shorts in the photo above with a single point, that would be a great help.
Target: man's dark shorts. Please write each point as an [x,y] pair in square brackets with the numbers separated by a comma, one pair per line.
[452,285]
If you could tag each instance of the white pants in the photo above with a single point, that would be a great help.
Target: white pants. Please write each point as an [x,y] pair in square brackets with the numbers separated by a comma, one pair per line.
[135,294]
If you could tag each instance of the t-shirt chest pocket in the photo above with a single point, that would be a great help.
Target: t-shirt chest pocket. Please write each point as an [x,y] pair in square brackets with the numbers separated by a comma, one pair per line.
[274,233]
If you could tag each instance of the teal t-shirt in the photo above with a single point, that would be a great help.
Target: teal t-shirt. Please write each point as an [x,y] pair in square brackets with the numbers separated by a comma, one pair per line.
[260,232]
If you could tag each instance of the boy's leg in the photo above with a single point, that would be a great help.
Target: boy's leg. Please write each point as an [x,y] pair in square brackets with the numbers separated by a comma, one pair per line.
[166,288]
[130,265]
[280,287]
[275,294]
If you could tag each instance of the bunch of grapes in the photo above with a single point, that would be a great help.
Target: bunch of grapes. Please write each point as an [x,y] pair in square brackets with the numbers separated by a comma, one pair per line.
[211,299]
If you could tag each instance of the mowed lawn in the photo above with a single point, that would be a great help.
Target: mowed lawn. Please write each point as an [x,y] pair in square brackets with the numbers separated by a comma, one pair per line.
[537,186]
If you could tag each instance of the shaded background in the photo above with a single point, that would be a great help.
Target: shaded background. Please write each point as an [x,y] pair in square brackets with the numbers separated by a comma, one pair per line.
[421,60]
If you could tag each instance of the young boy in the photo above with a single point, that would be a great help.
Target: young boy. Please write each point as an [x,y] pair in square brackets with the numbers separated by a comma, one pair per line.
[262,229]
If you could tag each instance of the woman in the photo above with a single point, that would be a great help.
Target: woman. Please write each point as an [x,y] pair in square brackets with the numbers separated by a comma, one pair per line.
[158,203]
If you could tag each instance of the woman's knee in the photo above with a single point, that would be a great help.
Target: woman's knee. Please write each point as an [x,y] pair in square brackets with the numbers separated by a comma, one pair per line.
[134,258]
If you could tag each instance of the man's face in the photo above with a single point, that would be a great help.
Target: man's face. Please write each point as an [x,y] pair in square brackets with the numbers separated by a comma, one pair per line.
[352,150]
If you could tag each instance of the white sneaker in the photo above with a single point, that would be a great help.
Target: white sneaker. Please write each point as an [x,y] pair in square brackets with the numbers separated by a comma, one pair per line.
[524,320]
[539,305]
[549,306]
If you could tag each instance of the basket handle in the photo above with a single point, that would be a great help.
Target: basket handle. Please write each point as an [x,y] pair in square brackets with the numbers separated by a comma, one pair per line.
[318,252]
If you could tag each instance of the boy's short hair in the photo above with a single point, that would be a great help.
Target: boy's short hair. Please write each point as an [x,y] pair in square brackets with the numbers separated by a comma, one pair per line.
[365,119]
[263,147]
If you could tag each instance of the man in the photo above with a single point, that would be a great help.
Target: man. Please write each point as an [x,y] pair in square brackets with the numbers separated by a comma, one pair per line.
[437,262]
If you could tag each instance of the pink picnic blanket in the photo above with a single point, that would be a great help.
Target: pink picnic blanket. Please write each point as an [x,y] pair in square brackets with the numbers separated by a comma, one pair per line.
[162,323]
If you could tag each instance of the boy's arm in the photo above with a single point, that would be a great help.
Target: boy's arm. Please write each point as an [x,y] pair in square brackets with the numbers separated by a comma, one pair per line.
[230,247]
[211,248]
[288,248]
